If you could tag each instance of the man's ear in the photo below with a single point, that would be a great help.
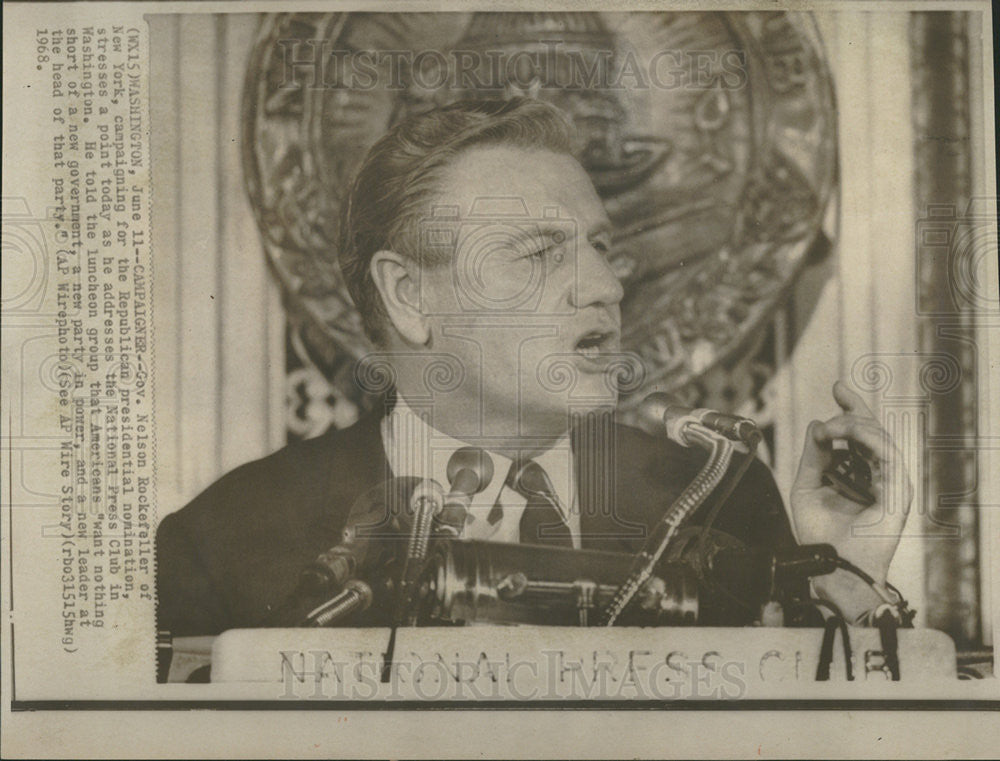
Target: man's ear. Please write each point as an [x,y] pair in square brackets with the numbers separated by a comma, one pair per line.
[397,280]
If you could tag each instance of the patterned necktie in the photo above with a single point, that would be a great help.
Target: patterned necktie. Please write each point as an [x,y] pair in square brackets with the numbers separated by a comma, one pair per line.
[541,522]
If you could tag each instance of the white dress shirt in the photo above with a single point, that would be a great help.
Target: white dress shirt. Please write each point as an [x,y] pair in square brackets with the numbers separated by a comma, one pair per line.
[414,448]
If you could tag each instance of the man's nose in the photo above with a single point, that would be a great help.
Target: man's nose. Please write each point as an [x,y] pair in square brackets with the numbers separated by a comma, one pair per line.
[596,283]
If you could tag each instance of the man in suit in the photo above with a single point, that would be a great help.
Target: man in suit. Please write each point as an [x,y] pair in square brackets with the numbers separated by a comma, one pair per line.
[475,248]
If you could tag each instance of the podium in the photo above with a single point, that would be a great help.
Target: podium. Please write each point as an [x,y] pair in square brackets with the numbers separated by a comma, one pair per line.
[531,663]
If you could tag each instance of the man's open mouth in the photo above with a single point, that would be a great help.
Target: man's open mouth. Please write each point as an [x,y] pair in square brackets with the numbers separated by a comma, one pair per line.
[595,343]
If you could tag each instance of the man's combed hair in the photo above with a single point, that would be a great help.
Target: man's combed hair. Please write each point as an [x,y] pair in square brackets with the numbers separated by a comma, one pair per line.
[399,177]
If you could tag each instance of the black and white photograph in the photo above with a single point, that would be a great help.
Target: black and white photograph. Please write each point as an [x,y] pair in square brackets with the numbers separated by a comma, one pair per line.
[542,365]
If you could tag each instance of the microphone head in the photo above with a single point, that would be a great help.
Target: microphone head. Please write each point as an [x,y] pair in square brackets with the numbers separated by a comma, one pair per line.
[427,490]
[653,409]
[478,467]
[362,590]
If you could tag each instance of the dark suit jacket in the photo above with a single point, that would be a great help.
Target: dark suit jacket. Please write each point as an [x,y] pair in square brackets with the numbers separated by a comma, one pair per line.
[237,550]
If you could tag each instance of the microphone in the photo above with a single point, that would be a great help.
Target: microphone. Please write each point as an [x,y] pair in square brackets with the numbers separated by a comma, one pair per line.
[330,570]
[759,568]
[381,513]
[755,576]
[470,470]
[661,410]
[356,597]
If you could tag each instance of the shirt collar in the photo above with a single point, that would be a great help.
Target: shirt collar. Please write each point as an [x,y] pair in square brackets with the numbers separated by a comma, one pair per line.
[415,448]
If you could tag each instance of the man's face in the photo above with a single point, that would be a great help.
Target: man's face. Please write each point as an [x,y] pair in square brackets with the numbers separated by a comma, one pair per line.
[528,305]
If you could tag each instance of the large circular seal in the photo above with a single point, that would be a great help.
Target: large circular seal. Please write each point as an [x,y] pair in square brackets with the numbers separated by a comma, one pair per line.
[709,136]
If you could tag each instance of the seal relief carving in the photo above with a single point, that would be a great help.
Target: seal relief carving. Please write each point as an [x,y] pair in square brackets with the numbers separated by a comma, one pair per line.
[710,138]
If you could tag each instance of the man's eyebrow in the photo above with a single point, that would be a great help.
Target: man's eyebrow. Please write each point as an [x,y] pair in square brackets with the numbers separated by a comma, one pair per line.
[551,231]
[531,232]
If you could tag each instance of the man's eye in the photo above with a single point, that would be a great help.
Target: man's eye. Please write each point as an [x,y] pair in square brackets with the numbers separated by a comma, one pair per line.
[603,246]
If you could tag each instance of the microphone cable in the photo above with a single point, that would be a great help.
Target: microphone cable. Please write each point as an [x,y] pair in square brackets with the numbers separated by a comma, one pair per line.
[701,545]
[727,492]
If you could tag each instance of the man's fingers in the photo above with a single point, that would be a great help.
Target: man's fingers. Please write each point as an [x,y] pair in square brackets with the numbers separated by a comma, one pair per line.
[865,431]
[848,419]
[849,401]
